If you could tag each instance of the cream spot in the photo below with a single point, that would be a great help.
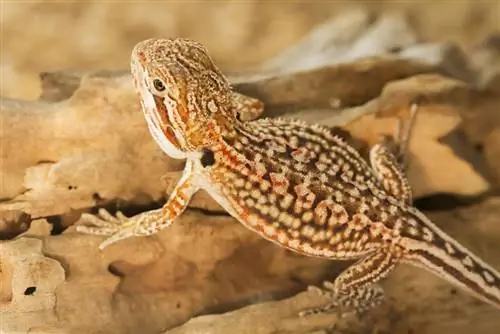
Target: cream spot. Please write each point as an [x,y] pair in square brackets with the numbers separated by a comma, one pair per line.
[363,208]
[253,220]
[286,201]
[308,231]
[467,261]
[300,167]
[384,216]
[427,234]
[449,248]
[334,239]
[264,209]
[319,236]
[412,222]
[307,216]
[296,223]
[488,277]
[284,218]
[282,237]
[255,193]
[239,183]
[339,197]
[324,158]
[262,199]
[270,230]
[260,169]
[274,212]
[212,106]
[323,178]
[321,166]
[393,209]
[295,243]
[272,198]
[413,231]
[250,202]
[264,185]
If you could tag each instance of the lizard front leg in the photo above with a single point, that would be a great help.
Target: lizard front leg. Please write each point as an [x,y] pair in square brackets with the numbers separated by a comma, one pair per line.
[389,161]
[247,108]
[146,223]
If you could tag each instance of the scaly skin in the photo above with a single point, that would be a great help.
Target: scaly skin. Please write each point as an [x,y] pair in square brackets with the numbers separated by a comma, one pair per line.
[300,186]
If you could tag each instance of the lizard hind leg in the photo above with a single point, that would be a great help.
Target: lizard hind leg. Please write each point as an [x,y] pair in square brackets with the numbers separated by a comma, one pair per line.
[389,160]
[356,288]
[403,137]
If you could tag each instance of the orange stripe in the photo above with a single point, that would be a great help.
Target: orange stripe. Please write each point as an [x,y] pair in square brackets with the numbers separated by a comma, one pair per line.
[166,125]
[183,114]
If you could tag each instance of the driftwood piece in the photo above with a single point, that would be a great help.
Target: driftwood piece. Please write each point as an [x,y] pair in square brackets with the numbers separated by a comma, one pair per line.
[148,284]
[438,137]
[28,290]
[263,318]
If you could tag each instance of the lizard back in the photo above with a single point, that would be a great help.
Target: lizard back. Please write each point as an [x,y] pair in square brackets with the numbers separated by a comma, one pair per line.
[305,188]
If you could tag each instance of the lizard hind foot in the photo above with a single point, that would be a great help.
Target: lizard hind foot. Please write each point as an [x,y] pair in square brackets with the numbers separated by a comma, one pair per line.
[348,310]
[357,301]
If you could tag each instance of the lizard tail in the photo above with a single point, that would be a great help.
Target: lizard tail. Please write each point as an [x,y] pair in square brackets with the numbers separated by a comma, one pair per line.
[429,247]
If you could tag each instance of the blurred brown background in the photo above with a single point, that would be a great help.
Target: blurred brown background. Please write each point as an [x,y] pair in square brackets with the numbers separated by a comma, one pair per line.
[38,36]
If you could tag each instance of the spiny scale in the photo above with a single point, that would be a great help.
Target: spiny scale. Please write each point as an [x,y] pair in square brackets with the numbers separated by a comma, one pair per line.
[301,186]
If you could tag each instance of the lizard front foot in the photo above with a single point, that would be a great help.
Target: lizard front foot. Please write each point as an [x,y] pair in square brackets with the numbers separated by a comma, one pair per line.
[117,227]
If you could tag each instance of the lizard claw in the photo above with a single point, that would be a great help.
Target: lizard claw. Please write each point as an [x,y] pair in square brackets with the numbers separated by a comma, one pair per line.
[125,232]
[118,228]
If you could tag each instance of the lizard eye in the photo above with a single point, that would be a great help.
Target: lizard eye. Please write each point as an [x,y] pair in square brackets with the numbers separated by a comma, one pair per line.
[159,85]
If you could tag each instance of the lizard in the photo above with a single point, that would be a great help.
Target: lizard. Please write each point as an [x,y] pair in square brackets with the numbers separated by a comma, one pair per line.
[299,185]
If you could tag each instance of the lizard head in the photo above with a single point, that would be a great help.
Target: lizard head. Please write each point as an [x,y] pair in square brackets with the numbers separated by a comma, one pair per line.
[185,98]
